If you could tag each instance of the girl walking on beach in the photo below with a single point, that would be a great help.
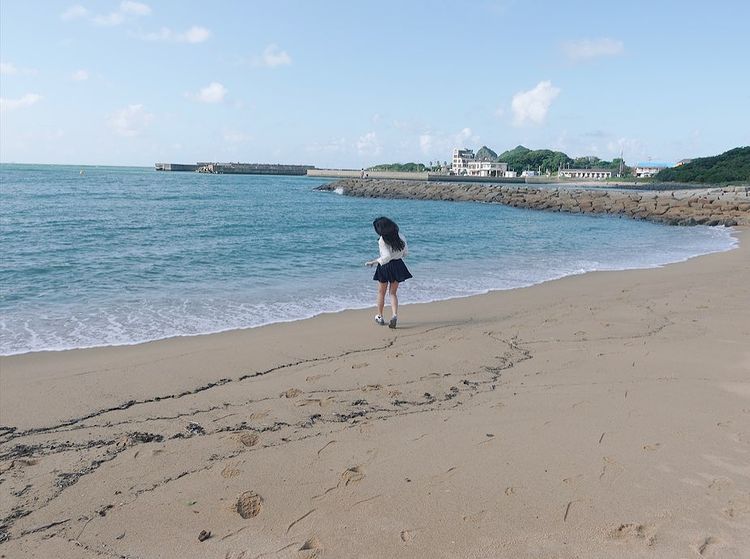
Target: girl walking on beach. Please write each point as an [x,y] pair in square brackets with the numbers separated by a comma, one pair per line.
[391,270]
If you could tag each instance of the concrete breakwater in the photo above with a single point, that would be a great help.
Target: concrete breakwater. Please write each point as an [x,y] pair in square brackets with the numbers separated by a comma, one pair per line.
[411,176]
[705,206]
[236,168]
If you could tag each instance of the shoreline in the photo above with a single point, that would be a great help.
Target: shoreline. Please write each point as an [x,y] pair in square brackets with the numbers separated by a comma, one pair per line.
[602,414]
[735,231]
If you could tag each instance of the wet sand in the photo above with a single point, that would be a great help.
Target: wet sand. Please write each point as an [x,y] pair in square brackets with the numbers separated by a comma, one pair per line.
[603,415]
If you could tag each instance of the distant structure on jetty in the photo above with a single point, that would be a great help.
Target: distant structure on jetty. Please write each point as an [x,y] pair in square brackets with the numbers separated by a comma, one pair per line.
[236,168]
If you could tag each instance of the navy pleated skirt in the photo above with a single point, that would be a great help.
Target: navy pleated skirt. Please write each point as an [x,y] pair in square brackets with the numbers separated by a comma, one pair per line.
[395,270]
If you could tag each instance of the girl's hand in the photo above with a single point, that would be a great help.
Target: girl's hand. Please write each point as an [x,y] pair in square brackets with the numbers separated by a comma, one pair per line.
[371,263]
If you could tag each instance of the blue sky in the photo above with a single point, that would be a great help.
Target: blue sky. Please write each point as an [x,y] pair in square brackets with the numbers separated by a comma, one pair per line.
[353,83]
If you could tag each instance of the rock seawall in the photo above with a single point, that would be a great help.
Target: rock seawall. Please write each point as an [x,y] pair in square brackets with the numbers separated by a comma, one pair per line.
[706,206]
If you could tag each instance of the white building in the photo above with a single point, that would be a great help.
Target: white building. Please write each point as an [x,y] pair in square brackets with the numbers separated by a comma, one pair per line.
[528,173]
[461,159]
[486,169]
[650,168]
[595,174]
[510,174]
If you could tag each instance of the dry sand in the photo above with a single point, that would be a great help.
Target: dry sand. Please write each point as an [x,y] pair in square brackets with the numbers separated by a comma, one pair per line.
[604,415]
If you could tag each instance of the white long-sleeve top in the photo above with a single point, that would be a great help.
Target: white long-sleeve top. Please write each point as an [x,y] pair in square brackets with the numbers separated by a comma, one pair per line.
[387,253]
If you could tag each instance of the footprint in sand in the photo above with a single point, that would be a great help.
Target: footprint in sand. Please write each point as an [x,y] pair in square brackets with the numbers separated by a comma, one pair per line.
[259,415]
[321,402]
[611,469]
[632,531]
[510,491]
[231,470]
[352,475]
[370,387]
[360,365]
[707,547]
[18,463]
[249,504]
[652,446]
[291,393]
[406,536]
[736,509]
[719,484]
[247,439]
[312,544]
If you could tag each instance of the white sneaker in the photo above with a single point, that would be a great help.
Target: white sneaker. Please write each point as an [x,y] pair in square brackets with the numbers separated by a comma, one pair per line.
[379,320]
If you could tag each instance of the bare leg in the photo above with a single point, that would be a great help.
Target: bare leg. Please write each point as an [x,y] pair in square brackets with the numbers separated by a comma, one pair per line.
[381,297]
[394,297]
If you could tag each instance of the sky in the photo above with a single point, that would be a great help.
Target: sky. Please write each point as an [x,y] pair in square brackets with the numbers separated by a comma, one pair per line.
[352,83]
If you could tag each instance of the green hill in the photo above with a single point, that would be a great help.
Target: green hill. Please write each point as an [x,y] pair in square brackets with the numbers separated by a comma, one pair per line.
[400,167]
[485,154]
[730,166]
[521,158]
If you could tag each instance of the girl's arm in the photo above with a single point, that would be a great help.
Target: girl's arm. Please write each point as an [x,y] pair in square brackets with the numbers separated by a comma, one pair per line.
[385,254]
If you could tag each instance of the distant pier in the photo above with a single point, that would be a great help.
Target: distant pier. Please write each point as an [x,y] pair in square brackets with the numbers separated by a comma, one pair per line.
[175,167]
[235,168]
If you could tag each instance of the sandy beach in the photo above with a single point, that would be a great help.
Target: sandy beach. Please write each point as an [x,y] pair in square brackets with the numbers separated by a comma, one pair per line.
[602,415]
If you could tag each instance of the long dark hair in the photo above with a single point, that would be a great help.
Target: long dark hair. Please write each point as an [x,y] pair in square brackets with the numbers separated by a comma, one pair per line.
[388,229]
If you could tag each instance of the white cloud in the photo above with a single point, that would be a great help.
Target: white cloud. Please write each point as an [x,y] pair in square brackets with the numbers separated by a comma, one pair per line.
[26,101]
[336,145]
[193,35]
[585,49]
[369,145]
[438,144]
[632,149]
[425,143]
[7,69]
[212,93]
[533,105]
[130,121]
[109,20]
[10,69]
[463,135]
[128,9]
[79,76]
[74,12]
[134,8]
[272,57]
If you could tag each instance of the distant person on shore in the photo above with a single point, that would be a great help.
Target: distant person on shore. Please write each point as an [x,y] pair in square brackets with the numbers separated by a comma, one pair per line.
[391,270]
[362,174]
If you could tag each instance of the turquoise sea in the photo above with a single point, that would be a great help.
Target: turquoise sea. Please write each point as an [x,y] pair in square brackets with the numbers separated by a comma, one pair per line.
[117,255]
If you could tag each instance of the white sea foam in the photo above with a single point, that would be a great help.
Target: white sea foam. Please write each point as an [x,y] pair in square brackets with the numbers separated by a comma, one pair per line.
[170,318]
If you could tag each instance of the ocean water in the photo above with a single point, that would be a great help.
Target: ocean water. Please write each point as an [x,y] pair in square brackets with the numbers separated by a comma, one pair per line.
[124,255]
